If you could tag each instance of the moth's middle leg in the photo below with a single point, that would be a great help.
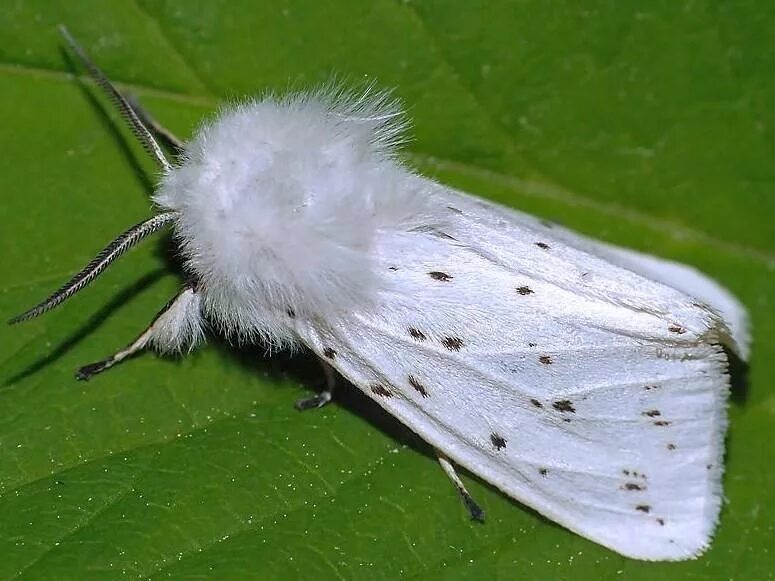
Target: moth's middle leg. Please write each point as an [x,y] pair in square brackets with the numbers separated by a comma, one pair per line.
[325,396]
[474,509]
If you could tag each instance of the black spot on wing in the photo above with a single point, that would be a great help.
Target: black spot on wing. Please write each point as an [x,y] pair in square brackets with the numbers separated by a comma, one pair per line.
[543,471]
[652,413]
[643,508]
[380,390]
[633,486]
[329,353]
[677,329]
[525,290]
[417,334]
[545,359]
[662,423]
[419,387]
[497,441]
[671,446]
[565,406]
[536,403]
[542,245]
[440,276]
[452,343]
[633,473]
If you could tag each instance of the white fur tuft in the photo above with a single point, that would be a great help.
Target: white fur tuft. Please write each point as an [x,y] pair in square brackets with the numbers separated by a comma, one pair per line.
[179,327]
[280,200]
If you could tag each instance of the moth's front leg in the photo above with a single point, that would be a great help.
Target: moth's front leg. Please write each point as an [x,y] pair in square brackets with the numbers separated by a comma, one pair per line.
[177,326]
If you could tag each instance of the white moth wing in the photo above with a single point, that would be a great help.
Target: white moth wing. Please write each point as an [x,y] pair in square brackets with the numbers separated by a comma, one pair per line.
[590,393]
[692,282]
[674,274]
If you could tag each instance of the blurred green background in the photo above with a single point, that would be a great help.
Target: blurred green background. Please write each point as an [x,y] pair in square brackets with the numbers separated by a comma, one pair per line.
[648,124]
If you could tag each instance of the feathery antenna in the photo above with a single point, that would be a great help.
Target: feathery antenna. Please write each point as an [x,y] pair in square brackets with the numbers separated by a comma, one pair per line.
[124,107]
[99,263]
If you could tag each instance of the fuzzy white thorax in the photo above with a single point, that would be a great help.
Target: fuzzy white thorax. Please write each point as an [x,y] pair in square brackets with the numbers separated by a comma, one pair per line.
[280,200]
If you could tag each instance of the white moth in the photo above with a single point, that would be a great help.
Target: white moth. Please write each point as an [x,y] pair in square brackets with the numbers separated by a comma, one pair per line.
[586,381]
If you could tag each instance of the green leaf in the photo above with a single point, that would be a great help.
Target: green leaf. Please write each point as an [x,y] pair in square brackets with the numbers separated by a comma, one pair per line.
[649,126]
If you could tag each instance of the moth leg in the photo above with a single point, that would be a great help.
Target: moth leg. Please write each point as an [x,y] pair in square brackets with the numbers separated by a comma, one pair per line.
[474,509]
[325,396]
[162,133]
[175,324]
